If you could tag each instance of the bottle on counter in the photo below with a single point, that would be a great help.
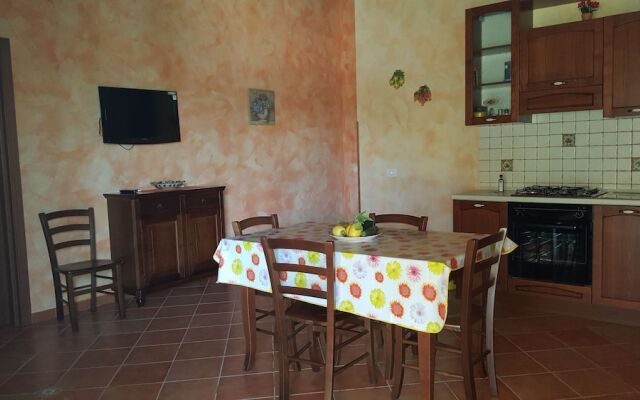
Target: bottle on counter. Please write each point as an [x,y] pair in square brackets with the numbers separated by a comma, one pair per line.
[501,183]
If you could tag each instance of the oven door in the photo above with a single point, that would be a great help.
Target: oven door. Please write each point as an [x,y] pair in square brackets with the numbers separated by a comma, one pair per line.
[554,242]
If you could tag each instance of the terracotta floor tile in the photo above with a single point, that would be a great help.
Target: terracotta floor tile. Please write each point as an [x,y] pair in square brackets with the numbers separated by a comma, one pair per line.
[234,365]
[211,319]
[29,383]
[161,337]
[503,345]
[626,396]
[161,324]
[561,359]
[618,333]
[182,300]
[50,362]
[579,338]
[609,355]
[151,354]
[535,341]
[187,291]
[213,308]
[630,374]
[79,394]
[305,381]
[11,364]
[219,297]
[516,364]
[176,311]
[141,312]
[201,389]
[520,325]
[212,348]
[591,382]
[126,326]
[538,387]
[195,369]
[356,377]
[245,386]
[482,390]
[132,392]
[206,333]
[115,341]
[87,378]
[264,343]
[142,373]
[102,358]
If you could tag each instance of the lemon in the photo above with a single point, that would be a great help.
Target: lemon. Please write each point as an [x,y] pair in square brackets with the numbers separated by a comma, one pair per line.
[354,230]
[339,230]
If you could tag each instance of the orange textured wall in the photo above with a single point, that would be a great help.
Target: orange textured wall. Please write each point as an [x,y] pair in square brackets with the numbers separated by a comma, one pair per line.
[433,152]
[211,52]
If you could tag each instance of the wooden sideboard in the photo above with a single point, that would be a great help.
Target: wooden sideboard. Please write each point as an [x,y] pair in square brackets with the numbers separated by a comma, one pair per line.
[165,236]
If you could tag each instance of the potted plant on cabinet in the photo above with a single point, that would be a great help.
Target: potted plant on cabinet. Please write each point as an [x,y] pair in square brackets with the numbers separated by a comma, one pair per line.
[587,7]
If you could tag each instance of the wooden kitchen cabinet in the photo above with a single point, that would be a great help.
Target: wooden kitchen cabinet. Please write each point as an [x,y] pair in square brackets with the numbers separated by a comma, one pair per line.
[616,256]
[483,217]
[165,236]
[622,65]
[491,54]
[561,67]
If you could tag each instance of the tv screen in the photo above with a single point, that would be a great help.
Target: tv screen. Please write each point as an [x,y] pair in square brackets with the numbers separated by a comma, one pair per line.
[138,116]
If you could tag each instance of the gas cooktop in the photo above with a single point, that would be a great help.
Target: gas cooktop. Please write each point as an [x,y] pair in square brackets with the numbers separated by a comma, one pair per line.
[558,191]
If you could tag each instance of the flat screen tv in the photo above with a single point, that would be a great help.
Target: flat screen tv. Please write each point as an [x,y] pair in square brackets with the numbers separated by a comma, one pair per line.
[138,116]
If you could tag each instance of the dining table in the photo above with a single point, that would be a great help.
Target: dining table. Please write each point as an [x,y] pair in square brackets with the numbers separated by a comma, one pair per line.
[399,277]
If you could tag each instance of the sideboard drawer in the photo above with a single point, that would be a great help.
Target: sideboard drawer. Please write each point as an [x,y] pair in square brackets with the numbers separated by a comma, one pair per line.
[202,199]
[159,205]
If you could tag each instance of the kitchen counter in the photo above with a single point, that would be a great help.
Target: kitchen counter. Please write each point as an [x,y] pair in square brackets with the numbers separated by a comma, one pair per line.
[610,198]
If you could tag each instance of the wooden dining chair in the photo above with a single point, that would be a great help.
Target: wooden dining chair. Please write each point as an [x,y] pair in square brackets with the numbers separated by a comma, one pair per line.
[239,228]
[316,319]
[79,221]
[404,219]
[475,317]
[386,329]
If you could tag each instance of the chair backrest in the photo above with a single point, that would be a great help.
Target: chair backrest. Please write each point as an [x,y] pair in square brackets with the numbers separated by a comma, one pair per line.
[276,267]
[480,274]
[86,224]
[419,222]
[240,226]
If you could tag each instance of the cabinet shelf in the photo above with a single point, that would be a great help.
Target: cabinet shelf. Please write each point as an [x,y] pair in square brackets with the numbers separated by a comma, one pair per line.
[497,83]
[492,50]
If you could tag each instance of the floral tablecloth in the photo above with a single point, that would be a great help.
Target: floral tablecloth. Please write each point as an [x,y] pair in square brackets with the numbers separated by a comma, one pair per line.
[401,277]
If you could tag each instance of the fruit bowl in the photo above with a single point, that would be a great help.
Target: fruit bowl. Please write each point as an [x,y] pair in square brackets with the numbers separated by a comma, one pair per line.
[356,239]
[362,229]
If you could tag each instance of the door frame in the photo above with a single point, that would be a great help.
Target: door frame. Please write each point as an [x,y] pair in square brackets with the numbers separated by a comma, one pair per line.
[13,230]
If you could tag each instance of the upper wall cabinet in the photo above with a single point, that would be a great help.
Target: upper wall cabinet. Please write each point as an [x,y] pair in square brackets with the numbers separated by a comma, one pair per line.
[491,64]
[622,65]
[561,67]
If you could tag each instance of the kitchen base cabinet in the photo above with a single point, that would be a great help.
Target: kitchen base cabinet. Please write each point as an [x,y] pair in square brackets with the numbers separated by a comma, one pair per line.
[165,236]
[616,256]
[483,217]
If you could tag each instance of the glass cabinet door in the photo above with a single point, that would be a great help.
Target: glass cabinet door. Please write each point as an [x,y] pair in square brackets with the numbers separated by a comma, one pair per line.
[489,65]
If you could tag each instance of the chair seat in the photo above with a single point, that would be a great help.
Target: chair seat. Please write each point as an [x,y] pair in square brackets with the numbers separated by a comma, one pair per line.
[312,314]
[88,265]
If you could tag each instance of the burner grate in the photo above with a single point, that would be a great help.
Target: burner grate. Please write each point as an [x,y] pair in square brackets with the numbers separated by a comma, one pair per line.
[558,191]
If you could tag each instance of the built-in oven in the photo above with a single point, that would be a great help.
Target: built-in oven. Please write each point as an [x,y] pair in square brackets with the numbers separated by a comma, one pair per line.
[554,242]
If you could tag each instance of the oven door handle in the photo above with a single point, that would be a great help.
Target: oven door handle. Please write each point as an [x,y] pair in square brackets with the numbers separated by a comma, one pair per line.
[550,226]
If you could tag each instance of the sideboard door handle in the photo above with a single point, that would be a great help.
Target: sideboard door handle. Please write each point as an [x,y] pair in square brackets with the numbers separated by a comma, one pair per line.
[478,205]
[627,211]
[634,110]
[560,83]
[490,119]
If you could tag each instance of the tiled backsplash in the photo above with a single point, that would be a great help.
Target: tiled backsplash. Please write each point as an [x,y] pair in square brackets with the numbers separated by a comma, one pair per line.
[570,148]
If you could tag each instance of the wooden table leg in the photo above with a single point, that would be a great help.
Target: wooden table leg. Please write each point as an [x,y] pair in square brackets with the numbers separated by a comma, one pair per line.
[248,296]
[426,363]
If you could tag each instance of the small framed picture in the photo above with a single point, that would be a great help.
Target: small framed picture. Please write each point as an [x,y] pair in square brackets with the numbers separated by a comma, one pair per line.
[262,107]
